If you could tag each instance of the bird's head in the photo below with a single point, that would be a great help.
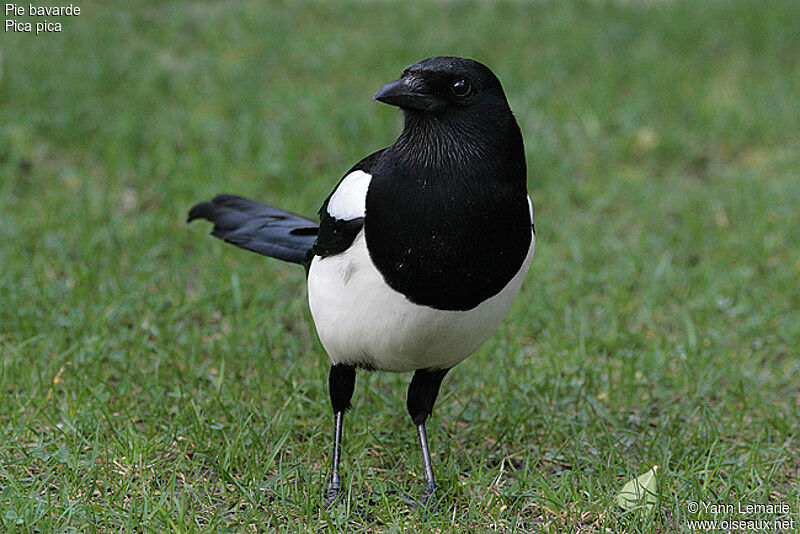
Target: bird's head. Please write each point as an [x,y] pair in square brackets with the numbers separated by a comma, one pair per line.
[445,86]
[456,117]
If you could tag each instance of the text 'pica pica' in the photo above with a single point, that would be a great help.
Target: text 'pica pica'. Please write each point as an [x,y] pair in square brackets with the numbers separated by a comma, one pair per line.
[421,247]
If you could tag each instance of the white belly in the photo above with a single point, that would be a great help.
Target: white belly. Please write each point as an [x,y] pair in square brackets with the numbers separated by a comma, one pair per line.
[361,320]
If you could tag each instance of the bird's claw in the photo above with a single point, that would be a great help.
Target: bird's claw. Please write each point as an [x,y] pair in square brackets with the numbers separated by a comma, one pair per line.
[333,495]
[427,503]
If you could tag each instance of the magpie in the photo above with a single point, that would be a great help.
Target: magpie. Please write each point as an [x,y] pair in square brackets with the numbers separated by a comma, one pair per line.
[420,248]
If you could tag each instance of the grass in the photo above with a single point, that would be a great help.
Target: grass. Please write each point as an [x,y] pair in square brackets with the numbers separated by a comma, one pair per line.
[154,379]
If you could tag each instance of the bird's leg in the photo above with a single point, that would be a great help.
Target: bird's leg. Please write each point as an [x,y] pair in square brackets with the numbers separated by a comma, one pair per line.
[341,382]
[422,393]
[335,485]
[430,484]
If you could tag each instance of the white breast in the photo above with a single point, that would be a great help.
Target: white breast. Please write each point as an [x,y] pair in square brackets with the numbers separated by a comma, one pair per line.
[361,320]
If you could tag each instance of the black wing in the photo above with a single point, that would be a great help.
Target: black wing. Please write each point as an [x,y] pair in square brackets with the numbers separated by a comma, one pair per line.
[259,228]
[335,235]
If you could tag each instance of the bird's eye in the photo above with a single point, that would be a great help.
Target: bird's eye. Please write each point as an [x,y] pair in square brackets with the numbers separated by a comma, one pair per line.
[461,88]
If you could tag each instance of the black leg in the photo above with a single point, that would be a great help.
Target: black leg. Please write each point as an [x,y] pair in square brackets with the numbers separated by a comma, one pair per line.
[422,393]
[341,382]
[430,485]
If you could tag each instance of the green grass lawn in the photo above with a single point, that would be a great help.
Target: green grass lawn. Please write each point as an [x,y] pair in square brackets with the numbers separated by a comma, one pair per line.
[156,379]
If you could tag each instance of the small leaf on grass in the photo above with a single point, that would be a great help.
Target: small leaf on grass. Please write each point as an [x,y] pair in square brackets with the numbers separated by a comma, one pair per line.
[640,490]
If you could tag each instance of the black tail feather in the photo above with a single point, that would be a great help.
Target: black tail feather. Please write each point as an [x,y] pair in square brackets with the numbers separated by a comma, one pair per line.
[259,228]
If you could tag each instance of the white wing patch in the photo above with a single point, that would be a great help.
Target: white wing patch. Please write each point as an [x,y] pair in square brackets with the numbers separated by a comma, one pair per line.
[350,198]
[530,208]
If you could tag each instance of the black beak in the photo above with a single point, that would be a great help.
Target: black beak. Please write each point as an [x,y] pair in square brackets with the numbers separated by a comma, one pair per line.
[406,95]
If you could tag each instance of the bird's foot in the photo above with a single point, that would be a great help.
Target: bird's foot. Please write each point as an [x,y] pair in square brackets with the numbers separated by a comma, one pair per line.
[429,497]
[333,495]
[425,504]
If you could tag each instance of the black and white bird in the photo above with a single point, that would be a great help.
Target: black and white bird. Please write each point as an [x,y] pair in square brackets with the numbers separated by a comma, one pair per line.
[421,247]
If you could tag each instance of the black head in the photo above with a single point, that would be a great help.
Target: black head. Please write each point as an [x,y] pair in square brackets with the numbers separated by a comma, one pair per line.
[445,85]
[456,117]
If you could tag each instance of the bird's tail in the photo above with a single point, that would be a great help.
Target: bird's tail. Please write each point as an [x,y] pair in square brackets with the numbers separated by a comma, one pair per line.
[259,228]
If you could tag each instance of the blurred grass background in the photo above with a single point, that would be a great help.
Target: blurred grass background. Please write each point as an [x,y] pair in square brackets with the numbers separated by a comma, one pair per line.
[156,379]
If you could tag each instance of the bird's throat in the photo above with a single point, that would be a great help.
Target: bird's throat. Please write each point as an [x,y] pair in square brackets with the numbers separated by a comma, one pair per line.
[444,142]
